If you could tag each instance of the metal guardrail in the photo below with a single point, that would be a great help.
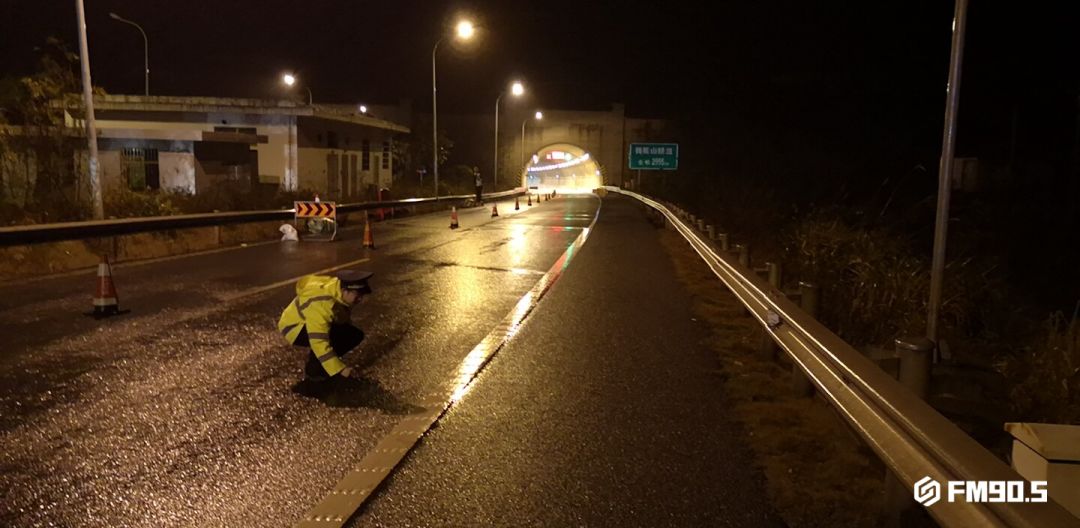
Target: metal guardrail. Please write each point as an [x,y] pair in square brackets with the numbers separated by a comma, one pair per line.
[906,433]
[35,234]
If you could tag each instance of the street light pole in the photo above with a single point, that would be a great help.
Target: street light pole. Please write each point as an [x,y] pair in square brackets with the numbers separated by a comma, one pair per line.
[495,172]
[146,49]
[435,121]
[464,31]
[941,228]
[88,101]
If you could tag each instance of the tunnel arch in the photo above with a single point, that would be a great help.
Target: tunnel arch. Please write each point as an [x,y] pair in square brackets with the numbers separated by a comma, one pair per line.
[564,167]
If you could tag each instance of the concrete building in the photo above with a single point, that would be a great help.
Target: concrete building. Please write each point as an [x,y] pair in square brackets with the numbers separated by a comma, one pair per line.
[192,143]
[603,135]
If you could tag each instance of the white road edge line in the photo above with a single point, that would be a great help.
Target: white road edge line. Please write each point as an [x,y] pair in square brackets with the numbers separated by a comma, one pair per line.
[360,483]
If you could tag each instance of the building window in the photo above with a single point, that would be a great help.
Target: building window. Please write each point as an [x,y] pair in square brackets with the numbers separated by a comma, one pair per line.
[365,155]
[386,154]
[331,140]
[139,168]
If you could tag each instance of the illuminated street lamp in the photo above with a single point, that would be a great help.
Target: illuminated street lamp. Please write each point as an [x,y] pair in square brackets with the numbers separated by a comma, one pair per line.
[539,115]
[517,89]
[463,31]
[146,49]
[290,80]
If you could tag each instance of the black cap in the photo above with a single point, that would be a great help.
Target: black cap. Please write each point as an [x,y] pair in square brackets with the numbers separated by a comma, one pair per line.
[355,280]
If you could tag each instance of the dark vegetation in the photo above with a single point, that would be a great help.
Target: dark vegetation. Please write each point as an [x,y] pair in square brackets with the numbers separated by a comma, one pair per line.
[855,214]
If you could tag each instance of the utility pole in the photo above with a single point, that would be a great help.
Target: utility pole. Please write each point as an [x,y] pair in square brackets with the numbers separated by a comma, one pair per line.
[88,100]
[941,227]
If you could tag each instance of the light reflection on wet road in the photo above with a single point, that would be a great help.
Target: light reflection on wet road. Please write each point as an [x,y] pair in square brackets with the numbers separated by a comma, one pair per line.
[183,412]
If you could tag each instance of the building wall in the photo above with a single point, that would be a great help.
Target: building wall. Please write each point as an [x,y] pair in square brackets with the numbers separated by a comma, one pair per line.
[18,174]
[336,174]
[274,156]
[177,170]
[324,144]
[109,171]
[295,154]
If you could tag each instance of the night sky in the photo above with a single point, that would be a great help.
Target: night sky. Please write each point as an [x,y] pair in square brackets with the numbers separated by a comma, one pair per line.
[659,58]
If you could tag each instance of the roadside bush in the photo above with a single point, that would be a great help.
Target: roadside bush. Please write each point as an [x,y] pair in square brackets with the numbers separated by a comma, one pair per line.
[875,285]
[1046,375]
[124,203]
[226,197]
[872,287]
[458,180]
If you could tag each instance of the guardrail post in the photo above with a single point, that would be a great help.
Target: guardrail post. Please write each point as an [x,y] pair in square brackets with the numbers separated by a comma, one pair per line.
[916,355]
[774,274]
[767,347]
[712,232]
[700,225]
[217,235]
[808,301]
[743,252]
[744,255]
[722,240]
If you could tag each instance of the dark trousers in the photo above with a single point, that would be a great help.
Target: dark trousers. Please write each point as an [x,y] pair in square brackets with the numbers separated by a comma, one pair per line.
[479,194]
[343,338]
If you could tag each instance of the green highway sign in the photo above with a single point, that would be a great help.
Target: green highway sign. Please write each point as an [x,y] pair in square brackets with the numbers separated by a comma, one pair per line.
[654,156]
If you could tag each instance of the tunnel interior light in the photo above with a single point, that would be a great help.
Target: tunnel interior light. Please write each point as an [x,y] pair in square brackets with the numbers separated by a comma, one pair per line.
[541,168]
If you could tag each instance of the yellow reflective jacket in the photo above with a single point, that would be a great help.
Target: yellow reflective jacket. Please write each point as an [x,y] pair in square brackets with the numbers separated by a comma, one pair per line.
[318,303]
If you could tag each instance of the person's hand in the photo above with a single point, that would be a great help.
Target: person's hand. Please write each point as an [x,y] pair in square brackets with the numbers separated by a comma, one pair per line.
[346,372]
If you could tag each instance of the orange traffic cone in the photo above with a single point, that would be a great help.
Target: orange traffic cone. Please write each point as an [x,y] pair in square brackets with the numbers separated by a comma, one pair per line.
[369,241]
[517,204]
[494,210]
[453,218]
[106,302]
[530,200]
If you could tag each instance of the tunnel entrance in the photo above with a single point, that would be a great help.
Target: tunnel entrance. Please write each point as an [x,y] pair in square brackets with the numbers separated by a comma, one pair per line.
[562,167]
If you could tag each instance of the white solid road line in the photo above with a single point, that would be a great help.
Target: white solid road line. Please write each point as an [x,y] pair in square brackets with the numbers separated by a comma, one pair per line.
[361,482]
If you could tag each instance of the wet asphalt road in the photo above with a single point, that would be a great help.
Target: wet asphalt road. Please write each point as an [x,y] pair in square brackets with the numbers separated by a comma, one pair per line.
[184,413]
[604,410]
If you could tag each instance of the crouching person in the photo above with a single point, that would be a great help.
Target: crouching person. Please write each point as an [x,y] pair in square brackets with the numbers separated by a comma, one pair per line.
[319,319]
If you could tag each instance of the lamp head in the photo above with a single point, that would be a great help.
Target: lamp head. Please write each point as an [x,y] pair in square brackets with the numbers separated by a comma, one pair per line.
[465,30]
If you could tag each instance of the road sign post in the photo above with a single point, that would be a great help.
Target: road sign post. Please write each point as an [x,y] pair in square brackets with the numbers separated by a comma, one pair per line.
[322,220]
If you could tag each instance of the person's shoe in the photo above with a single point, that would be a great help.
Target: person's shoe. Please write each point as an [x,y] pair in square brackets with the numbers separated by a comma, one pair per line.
[315,377]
